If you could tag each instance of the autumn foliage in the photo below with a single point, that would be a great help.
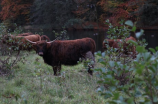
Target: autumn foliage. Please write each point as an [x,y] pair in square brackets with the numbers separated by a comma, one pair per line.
[11,9]
[115,10]
[71,12]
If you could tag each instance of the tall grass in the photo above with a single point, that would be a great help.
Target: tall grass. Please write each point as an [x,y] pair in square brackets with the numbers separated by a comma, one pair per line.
[33,82]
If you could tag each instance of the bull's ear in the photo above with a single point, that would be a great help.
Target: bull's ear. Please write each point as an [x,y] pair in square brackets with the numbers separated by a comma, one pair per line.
[48,45]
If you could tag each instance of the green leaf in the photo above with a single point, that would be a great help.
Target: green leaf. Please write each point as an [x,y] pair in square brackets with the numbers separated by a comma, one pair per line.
[139,34]
[109,76]
[138,57]
[111,63]
[132,41]
[138,94]
[100,82]
[97,69]
[103,70]
[116,95]
[134,28]
[152,58]
[153,68]
[155,99]
[157,48]
[99,53]
[140,49]
[152,50]
[103,54]
[129,23]
[147,55]
[140,69]
[103,62]
[112,88]
[130,101]
[25,101]
[108,94]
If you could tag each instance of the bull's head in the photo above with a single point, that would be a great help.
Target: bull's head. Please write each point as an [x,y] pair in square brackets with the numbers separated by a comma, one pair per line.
[40,47]
[108,43]
[8,39]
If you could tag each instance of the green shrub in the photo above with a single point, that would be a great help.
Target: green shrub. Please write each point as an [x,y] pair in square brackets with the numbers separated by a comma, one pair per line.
[9,50]
[62,35]
[124,80]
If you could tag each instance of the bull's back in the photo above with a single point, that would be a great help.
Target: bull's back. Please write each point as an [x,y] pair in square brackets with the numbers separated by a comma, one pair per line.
[68,52]
[33,38]
[25,34]
[114,42]
[90,45]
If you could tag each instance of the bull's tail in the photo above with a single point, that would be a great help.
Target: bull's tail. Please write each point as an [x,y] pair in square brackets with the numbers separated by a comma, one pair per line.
[94,45]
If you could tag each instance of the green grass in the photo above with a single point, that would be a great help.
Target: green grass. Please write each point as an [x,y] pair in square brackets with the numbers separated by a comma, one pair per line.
[34,83]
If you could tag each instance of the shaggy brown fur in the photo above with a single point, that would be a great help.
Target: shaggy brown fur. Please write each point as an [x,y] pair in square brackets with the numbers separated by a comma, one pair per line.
[66,52]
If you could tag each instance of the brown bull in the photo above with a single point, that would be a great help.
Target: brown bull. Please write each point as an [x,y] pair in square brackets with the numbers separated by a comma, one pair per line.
[116,43]
[33,38]
[43,37]
[21,42]
[65,52]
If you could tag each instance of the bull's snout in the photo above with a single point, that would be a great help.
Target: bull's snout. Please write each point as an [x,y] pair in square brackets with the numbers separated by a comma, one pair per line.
[40,53]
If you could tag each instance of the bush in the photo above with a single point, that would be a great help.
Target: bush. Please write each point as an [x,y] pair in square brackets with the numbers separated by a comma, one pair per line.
[62,35]
[9,53]
[124,80]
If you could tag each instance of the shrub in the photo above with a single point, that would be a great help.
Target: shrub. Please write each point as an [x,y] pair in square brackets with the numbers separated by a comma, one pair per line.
[124,80]
[9,54]
[62,35]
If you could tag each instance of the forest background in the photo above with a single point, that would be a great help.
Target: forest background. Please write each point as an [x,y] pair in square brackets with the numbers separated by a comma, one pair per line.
[78,14]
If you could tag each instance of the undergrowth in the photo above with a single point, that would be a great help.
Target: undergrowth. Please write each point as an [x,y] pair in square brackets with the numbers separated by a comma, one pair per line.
[33,82]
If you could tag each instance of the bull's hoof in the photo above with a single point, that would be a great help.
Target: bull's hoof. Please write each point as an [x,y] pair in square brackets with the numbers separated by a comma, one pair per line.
[90,72]
[57,74]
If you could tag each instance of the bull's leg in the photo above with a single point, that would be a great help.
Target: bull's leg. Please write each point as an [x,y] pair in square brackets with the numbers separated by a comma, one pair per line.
[90,71]
[55,70]
[90,56]
[58,70]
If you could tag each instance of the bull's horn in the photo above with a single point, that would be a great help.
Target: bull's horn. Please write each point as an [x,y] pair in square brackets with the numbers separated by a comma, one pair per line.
[31,41]
[52,41]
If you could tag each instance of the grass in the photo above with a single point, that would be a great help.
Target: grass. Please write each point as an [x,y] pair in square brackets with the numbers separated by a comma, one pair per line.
[34,83]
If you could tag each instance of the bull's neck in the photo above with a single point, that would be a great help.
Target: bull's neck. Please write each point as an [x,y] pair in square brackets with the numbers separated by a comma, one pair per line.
[47,53]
